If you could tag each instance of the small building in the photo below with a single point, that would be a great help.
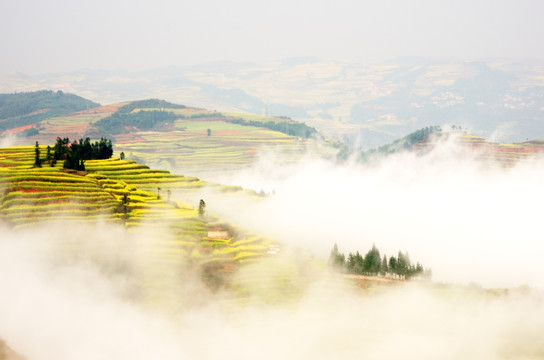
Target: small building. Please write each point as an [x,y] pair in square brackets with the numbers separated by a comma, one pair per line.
[218,234]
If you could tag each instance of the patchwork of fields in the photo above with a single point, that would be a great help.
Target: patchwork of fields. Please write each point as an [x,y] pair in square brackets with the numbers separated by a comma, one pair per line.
[189,149]
[199,142]
[487,151]
[505,154]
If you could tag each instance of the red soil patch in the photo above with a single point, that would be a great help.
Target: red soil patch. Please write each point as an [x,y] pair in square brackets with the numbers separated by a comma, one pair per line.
[251,150]
[16,130]
[32,190]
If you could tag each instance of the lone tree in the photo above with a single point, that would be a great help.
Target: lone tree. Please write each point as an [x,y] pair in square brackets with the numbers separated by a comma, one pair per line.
[125,201]
[209,132]
[201,208]
[122,156]
[37,161]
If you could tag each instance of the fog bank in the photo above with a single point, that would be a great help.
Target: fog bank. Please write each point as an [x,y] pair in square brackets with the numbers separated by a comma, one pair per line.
[65,305]
[468,219]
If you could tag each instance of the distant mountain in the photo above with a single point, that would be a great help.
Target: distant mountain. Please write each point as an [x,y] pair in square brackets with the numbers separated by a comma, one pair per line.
[369,105]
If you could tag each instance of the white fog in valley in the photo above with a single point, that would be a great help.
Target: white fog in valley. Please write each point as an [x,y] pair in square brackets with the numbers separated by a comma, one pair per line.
[470,221]
[89,306]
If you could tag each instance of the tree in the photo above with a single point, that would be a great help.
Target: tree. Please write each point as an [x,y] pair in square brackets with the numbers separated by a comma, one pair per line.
[125,201]
[75,154]
[49,156]
[209,132]
[201,208]
[393,264]
[74,159]
[122,156]
[355,263]
[372,261]
[60,149]
[86,149]
[337,260]
[384,268]
[403,264]
[37,161]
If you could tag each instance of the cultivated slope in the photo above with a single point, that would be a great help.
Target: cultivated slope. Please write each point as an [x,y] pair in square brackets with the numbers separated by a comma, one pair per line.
[128,194]
[180,138]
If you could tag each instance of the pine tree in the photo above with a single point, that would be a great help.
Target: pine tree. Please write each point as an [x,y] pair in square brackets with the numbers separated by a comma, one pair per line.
[384,269]
[49,156]
[37,161]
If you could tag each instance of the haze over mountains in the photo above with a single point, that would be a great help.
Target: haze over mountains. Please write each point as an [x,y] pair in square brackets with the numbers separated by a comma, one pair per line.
[207,235]
[369,104]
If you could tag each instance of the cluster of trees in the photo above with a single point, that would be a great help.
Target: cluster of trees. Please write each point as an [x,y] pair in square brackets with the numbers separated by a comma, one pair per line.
[144,120]
[28,108]
[76,153]
[409,140]
[373,264]
[288,127]
[149,104]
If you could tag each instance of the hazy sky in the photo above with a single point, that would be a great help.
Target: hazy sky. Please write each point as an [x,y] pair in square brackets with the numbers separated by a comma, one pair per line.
[57,35]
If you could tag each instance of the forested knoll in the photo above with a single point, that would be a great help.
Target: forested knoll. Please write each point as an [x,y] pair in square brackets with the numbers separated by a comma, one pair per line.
[20,109]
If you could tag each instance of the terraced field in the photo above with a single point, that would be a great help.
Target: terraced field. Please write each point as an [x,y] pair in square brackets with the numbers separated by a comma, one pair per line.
[199,142]
[130,195]
[503,154]
[189,149]
[73,126]
[506,154]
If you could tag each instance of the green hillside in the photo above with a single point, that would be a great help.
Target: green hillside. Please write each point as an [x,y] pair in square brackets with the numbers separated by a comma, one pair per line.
[29,108]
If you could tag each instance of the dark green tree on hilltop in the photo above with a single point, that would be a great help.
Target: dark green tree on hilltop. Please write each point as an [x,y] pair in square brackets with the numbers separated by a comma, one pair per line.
[60,149]
[37,160]
[76,153]
[74,158]
[49,155]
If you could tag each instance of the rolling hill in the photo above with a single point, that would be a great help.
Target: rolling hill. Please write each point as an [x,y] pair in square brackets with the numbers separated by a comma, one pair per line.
[21,110]
[373,104]
[180,138]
